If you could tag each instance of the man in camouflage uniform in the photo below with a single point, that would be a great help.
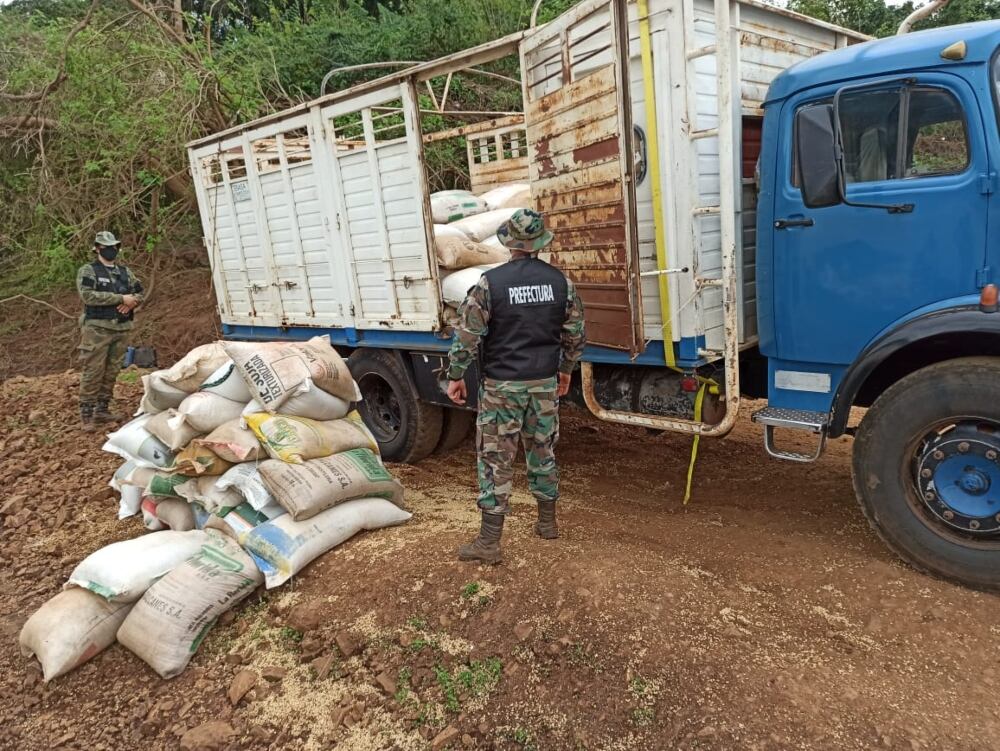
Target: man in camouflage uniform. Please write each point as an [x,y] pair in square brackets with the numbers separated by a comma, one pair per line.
[528,319]
[110,294]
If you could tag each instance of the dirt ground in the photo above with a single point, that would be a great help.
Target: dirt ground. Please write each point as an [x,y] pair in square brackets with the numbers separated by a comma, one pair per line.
[180,314]
[763,615]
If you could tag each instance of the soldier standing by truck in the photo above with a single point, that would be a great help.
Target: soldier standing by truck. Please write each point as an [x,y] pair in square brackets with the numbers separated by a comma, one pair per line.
[527,319]
[110,294]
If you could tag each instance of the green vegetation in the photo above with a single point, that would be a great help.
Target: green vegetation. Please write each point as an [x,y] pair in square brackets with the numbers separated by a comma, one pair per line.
[477,678]
[99,97]
[470,589]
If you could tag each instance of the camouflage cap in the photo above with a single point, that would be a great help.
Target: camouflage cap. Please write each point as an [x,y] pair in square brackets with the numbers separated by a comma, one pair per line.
[106,238]
[524,231]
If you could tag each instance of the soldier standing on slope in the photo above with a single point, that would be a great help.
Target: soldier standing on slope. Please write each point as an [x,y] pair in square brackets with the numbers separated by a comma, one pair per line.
[110,294]
[529,319]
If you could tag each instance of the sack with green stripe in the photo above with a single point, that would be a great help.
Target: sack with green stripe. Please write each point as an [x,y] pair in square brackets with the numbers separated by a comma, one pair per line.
[122,571]
[166,627]
[318,484]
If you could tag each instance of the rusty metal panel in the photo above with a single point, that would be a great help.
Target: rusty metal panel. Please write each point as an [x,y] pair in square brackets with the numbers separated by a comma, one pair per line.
[579,180]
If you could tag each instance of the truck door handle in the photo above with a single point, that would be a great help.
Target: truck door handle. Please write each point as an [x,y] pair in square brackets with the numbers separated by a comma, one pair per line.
[785,223]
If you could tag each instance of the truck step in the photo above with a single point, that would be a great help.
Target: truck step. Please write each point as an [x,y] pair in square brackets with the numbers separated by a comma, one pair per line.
[793,419]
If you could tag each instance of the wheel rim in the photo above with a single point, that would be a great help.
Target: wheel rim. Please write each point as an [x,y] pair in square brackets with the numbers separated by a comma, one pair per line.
[380,407]
[956,473]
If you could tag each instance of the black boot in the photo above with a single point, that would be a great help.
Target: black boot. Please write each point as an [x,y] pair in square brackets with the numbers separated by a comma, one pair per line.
[486,547]
[546,525]
[103,414]
[87,417]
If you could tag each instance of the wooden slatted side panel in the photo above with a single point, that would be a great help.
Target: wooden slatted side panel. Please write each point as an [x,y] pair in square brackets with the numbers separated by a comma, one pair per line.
[575,136]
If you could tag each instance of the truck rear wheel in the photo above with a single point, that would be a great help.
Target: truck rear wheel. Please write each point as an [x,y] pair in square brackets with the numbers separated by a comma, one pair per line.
[457,426]
[927,470]
[407,429]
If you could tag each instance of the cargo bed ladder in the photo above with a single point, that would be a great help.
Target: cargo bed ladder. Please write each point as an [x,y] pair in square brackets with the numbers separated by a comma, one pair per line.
[681,180]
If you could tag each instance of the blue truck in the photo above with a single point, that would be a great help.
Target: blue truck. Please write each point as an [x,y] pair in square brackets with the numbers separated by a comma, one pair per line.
[752,203]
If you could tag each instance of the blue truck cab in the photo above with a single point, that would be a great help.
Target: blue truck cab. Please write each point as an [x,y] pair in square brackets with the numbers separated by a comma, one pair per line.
[879,244]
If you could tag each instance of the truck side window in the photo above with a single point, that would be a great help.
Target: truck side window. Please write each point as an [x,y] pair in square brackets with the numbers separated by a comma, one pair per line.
[936,140]
[869,124]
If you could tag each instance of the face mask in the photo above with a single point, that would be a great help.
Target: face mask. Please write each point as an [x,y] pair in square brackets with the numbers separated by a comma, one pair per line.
[108,252]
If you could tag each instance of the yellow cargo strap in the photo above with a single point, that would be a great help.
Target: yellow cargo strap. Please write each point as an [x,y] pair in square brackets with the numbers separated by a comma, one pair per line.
[653,170]
[698,401]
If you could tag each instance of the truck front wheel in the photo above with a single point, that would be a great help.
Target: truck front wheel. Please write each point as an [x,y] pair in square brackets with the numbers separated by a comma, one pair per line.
[927,470]
[407,429]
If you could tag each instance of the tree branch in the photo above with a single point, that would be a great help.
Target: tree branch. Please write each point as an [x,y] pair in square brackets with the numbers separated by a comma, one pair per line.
[63,313]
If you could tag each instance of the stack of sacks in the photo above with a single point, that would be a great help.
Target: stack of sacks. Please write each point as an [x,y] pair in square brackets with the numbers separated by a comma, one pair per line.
[83,620]
[465,236]
[263,451]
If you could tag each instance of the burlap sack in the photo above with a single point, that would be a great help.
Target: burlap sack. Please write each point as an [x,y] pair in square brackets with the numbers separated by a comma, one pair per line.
[69,629]
[274,371]
[233,442]
[210,493]
[297,439]
[306,489]
[175,433]
[176,514]
[197,460]
[455,253]
[166,627]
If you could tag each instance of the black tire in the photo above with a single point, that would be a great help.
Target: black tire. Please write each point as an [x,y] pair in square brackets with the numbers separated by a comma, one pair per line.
[406,428]
[457,426]
[894,445]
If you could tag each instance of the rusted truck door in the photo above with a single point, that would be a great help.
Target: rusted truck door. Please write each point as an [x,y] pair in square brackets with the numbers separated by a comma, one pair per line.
[575,79]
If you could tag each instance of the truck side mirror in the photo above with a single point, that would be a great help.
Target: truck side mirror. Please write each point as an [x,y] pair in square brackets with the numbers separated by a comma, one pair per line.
[816,154]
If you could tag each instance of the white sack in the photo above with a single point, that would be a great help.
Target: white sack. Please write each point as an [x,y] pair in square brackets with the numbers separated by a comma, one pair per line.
[122,571]
[276,371]
[449,230]
[69,629]
[188,373]
[449,205]
[283,547]
[245,480]
[483,226]
[456,285]
[228,382]
[204,411]
[517,195]
[166,627]
[134,443]
[311,402]
[157,395]
[130,501]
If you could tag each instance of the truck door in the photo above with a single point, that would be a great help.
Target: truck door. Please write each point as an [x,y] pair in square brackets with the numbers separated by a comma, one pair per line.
[844,273]
[575,78]
[377,177]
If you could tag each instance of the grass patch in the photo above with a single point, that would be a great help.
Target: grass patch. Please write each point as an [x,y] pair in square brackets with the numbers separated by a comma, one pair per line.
[475,679]
[128,376]
[470,590]
[417,622]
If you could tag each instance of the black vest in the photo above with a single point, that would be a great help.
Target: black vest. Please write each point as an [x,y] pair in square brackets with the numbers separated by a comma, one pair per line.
[108,282]
[527,313]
